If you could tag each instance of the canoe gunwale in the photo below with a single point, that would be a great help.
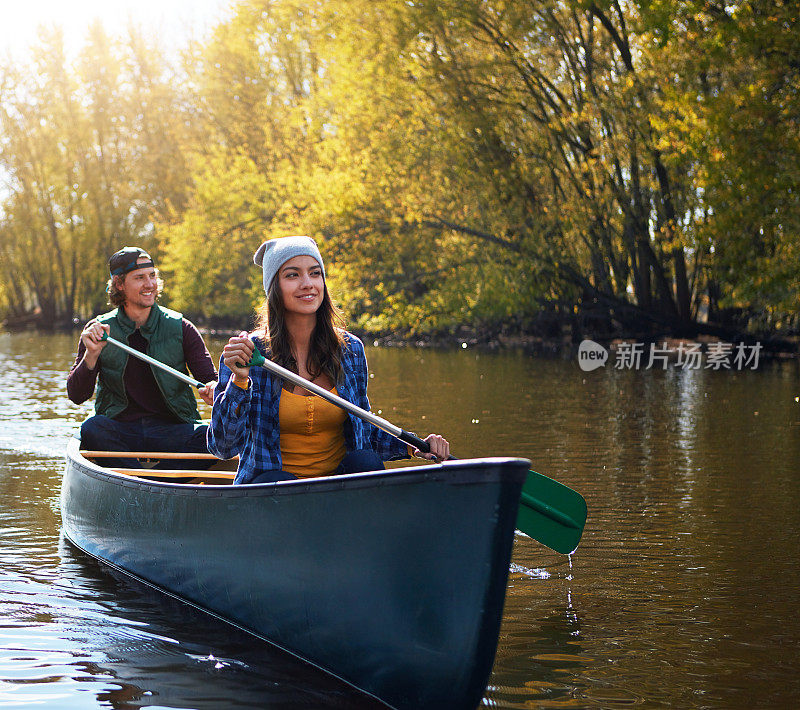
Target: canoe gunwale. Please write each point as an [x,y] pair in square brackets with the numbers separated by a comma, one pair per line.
[459,472]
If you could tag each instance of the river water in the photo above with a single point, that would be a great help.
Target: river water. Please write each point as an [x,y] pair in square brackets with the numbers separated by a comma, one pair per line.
[684,592]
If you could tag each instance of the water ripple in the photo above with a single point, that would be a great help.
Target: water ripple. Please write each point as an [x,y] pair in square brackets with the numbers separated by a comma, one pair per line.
[680,595]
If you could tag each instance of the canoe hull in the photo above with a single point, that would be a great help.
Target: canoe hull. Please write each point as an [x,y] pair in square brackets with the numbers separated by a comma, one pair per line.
[394,582]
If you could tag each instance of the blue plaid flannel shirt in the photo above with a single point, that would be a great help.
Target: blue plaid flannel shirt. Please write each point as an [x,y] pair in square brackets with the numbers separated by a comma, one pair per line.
[245,422]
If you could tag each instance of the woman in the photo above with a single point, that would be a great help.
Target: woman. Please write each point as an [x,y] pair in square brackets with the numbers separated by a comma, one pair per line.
[281,431]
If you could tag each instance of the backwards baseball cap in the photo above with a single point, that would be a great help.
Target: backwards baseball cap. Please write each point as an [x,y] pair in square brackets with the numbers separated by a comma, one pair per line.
[274,253]
[126,259]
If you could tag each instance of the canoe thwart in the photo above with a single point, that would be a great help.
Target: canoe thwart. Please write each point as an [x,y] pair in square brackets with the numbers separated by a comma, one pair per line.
[151,455]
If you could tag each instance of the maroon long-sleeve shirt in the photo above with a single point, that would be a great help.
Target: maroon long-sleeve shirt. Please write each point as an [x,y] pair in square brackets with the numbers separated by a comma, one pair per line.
[144,396]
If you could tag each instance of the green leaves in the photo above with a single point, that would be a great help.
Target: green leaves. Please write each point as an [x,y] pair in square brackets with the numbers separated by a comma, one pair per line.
[92,150]
[459,161]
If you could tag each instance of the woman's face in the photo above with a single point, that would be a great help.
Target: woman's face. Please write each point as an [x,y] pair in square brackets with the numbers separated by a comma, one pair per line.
[302,285]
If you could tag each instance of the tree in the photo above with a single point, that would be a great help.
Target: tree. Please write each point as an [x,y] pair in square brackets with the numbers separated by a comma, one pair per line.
[92,155]
[460,162]
[737,69]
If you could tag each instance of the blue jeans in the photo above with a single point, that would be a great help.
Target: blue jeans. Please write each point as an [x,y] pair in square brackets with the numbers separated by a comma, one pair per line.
[101,433]
[358,461]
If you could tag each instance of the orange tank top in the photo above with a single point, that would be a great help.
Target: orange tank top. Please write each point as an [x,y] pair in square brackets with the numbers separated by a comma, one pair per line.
[312,434]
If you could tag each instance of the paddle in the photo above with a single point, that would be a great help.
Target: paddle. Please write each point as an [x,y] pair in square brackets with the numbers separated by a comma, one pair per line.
[549,511]
[152,361]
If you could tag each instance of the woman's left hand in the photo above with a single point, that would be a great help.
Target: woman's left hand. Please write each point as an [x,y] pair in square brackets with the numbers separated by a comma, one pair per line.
[440,448]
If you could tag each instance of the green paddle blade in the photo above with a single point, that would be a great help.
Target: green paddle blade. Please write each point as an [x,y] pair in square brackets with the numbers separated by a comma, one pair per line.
[551,513]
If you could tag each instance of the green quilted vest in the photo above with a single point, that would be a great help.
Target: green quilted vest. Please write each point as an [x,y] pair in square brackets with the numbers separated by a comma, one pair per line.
[164,334]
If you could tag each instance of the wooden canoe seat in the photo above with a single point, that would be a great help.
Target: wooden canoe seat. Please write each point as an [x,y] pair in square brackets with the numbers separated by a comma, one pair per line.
[197,476]
[219,471]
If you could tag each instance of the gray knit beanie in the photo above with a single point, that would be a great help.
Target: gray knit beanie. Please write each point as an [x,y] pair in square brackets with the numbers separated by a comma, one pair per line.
[274,253]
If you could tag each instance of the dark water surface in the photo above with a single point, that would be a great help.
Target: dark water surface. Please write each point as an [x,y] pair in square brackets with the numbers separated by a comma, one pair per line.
[684,593]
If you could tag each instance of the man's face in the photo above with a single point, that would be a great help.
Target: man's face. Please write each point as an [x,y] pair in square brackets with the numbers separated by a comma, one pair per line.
[140,286]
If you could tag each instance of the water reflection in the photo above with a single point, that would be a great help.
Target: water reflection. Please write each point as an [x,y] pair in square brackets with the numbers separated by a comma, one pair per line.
[154,650]
[74,634]
[682,593]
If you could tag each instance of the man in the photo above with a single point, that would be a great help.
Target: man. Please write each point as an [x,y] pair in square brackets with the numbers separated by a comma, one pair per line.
[139,407]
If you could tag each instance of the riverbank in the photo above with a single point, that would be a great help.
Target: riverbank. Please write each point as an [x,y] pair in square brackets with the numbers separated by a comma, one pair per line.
[557,339]
[769,346]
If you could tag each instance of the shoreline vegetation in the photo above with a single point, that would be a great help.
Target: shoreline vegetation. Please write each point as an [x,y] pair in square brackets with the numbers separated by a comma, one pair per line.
[494,173]
[559,339]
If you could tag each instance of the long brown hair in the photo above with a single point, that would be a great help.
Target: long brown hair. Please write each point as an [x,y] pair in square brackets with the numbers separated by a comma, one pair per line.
[327,338]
